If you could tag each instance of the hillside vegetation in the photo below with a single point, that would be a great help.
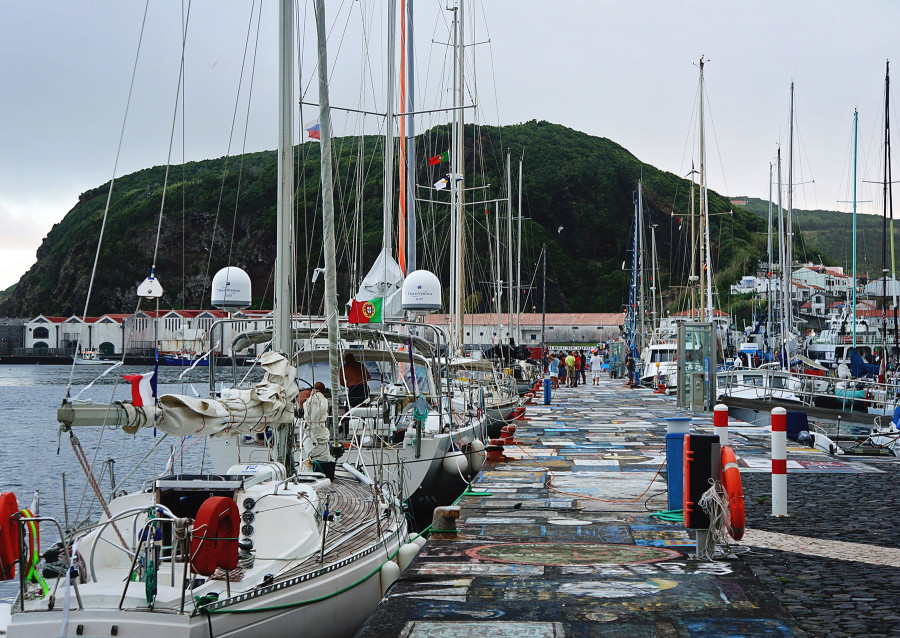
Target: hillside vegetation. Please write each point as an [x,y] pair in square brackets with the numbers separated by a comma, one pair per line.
[578,198]
[825,236]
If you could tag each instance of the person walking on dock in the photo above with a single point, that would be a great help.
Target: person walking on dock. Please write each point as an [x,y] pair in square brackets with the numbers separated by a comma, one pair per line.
[561,359]
[570,370]
[554,371]
[596,365]
[629,367]
[584,362]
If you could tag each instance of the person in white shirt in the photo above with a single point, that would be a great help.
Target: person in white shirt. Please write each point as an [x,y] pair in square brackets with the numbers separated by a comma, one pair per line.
[596,364]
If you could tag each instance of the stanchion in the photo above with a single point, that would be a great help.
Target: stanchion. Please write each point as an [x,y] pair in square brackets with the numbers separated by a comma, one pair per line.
[720,423]
[779,462]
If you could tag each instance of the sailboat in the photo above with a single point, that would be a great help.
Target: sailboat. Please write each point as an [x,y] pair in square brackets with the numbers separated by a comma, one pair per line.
[263,549]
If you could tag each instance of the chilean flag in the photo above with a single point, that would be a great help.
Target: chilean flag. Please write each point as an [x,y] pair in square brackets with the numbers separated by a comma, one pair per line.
[143,388]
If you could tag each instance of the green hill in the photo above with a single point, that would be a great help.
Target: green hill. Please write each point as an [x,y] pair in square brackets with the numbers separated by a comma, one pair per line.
[578,198]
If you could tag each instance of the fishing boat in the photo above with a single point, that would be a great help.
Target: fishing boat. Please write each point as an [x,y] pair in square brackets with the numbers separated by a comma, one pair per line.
[265,548]
[91,358]
[184,358]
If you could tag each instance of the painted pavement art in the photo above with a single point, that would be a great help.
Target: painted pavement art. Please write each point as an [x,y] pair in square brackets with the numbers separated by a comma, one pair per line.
[563,540]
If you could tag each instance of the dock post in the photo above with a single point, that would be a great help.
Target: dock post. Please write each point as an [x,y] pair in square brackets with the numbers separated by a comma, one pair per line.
[779,462]
[720,422]
[546,390]
[443,523]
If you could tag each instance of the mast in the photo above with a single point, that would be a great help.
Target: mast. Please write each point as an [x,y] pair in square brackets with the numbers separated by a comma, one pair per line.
[789,231]
[853,281]
[706,271]
[499,281]
[640,263]
[509,260]
[888,194]
[884,214]
[388,191]
[411,143]
[401,160]
[331,307]
[769,267]
[653,282]
[457,194]
[693,277]
[519,260]
[544,303]
[631,335]
[781,309]
[281,319]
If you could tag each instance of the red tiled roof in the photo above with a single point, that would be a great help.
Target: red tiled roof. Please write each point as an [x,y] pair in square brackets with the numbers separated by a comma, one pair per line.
[687,313]
[534,319]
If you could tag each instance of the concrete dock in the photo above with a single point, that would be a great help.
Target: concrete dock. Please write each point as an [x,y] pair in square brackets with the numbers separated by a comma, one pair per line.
[564,538]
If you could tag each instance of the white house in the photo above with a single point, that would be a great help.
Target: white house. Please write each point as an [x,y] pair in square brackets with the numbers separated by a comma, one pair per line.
[142,332]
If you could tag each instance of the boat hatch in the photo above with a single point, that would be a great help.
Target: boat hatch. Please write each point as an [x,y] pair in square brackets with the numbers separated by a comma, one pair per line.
[183,494]
[202,482]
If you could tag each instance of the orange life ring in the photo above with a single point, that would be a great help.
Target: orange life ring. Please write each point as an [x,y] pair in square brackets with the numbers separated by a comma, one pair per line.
[214,536]
[9,536]
[731,481]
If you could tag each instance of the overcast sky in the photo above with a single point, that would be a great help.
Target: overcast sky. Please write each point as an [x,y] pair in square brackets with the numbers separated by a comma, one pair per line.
[622,70]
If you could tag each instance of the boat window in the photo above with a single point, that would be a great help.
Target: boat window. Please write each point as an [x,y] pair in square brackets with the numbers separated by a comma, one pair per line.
[662,356]
[312,372]
[423,382]
[753,380]
[779,382]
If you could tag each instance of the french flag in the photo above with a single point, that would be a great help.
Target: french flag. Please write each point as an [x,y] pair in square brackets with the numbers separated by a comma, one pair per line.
[143,388]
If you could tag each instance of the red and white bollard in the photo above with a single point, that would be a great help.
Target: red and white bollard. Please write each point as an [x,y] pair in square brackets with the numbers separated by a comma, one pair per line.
[779,462]
[720,423]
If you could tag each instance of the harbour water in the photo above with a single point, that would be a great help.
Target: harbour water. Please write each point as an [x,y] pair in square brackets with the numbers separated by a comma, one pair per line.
[35,455]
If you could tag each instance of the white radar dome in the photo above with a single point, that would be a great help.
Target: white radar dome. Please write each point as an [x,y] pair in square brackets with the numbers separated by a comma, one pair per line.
[421,292]
[231,289]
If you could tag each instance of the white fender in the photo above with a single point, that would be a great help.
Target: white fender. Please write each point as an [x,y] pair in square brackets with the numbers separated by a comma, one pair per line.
[390,572]
[420,540]
[477,455]
[455,463]
[406,554]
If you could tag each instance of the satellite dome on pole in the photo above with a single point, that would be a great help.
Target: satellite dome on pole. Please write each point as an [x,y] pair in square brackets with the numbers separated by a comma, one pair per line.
[421,292]
[231,289]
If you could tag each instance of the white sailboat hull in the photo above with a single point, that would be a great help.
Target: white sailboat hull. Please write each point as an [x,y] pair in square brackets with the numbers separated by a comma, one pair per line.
[338,616]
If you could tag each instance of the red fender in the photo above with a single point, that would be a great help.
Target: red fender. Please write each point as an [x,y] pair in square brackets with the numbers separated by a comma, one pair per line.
[9,536]
[731,481]
[214,536]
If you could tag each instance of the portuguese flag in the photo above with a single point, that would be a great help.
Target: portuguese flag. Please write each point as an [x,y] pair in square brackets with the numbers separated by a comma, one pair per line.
[365,311]
[437,159]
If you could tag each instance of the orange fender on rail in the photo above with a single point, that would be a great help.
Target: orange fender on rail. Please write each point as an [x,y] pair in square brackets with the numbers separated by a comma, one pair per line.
[731,481]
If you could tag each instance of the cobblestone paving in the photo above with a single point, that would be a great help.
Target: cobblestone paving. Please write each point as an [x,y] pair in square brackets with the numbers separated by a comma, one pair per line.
[832,596]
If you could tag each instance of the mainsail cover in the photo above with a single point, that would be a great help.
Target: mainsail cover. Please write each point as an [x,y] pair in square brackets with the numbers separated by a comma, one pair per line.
[238,410]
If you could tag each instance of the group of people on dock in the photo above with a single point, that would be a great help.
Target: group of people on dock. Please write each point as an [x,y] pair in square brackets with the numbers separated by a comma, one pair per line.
[568,368]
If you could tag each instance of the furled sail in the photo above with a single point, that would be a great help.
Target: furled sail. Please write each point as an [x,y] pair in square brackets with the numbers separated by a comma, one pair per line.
[236,412]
